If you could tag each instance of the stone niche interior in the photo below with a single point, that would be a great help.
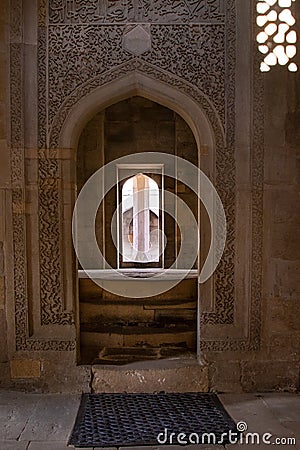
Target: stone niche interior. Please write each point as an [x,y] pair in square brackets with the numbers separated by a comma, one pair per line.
[115,329]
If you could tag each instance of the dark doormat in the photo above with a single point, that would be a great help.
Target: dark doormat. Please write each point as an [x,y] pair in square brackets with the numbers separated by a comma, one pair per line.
[115,420]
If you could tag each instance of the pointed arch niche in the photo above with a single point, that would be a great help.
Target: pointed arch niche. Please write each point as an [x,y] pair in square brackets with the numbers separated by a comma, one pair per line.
[116,120]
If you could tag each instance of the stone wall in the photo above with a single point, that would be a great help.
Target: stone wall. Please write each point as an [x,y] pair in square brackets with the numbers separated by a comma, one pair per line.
[4,186]
[205,62]
[276,365]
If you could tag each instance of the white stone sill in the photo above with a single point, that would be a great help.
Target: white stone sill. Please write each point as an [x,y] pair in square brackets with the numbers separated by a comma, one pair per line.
[138,274]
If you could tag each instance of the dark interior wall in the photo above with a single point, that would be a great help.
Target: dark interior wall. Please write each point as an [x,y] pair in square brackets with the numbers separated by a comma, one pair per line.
[132,126]
[157,327]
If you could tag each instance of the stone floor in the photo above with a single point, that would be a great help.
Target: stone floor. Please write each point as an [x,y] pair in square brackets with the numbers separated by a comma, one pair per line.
[44,422]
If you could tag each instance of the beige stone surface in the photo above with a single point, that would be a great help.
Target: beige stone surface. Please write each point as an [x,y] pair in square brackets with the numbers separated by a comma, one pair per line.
[110,312]
[154,377]
[274,361]
[2,292]
[225,376]
[25,368]
[270,375]
[156,339]
[13,445]
[39,445]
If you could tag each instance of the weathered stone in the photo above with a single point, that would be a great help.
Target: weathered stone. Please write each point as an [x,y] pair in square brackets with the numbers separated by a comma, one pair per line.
[66,378]
[258,416]
[154,376]
[100,340]
[284,284]
[137,40]
[4,375]
[286,241]
[52,419]
[25,368]
[283,315]
[109,312]
[225,376]
[38,445]
[13,445]
[3,341]
[282,375]
[2,292]
[285,346]
[156,339]
[5,164]
[15,410]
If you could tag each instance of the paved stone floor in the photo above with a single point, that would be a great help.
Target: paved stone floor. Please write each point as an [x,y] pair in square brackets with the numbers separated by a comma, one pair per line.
[44,422]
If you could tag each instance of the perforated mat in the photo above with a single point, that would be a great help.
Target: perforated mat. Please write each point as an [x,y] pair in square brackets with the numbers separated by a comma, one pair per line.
[115,420]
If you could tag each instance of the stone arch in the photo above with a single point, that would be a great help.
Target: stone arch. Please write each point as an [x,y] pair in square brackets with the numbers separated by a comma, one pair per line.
[189,102]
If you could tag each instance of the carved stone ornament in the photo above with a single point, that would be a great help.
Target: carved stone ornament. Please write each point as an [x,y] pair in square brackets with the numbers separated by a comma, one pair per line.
[137,40]
[83,44]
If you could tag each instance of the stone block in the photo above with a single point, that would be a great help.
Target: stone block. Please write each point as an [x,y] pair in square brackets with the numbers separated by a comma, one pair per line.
[284,406]
[225,376]
[41,445]
[283,315]
[256,413]
[4,376]
[173,447]
[66,377]
[284,346]
[154,376]
[3,333]
[52,419]
[280,168]
[2,292]
[5,161]
[14,445]
[25,368]
[108,312]
[90,339]
[180,315]
[166,305]
[156,339]
[286,206]
[270,375]
[15,410]
[285,241]
[284,279]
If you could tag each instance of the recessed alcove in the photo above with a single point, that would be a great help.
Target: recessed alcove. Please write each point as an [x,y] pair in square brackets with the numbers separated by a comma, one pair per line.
[115,329]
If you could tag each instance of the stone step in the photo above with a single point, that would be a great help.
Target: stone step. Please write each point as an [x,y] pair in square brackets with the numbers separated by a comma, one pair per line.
[125,355]
[184,303]
[109,312]
[143,338]
[98,315]
[183,375]
[128,328]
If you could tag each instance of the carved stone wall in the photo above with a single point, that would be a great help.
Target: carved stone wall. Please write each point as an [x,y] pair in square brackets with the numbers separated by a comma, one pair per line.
[79,47]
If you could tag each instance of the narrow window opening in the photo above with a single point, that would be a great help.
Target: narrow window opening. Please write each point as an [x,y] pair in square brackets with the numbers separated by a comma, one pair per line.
[140,220]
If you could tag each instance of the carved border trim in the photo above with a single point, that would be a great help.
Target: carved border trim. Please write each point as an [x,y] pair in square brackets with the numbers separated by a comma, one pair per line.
[225,163]
[23,341]
[19,226]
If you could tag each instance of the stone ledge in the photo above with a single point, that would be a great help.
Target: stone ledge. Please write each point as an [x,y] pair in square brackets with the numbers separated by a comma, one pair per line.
[154,376]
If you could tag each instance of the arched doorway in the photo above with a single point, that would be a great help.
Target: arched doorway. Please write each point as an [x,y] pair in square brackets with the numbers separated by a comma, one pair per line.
[116,329]
[195,111]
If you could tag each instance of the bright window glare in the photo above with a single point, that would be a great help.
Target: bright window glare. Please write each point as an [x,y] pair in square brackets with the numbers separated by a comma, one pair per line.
[277,34]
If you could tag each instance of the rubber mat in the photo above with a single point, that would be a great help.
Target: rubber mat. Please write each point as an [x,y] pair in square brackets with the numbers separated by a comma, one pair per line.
[117,420]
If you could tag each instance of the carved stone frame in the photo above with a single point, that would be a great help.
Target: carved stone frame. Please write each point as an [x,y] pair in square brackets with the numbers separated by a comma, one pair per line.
[44,185]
